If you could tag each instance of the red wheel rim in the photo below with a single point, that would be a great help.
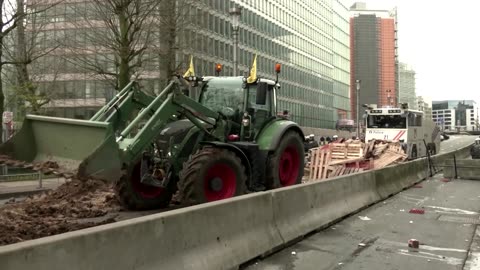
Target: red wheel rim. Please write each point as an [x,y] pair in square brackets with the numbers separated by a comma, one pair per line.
[145,191]
[289,166]
[220,182]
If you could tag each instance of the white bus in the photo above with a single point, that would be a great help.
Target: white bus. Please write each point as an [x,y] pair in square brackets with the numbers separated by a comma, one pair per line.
[403,125]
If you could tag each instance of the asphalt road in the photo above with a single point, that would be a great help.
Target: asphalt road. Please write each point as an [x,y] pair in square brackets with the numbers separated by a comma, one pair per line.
[377,238]
[455,142]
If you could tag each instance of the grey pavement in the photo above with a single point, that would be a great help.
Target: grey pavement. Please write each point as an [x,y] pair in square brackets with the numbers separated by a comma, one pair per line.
[377,237]
[455,142]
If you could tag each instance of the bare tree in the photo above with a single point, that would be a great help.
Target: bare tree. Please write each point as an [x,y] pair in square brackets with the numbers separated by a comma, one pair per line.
[8,22]
[19,51]
[173,21]
[128,39]
[119,32]
[26,52]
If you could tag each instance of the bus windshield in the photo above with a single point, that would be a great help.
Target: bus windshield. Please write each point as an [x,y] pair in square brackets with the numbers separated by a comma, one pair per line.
[386,121]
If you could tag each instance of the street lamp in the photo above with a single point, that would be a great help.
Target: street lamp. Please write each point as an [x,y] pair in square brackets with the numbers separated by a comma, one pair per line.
[357,82]
[235,13]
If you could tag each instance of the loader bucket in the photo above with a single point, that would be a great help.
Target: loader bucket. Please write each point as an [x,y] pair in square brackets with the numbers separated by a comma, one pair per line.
[87,148]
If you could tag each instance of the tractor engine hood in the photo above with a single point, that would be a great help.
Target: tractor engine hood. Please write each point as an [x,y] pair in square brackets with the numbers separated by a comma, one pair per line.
[178,130]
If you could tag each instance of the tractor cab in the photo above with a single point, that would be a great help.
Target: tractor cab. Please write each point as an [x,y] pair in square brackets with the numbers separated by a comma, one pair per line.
[247,106]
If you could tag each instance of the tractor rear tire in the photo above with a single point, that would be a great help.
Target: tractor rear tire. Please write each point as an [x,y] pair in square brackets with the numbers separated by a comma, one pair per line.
[135,195]
[285,166]
[211,174]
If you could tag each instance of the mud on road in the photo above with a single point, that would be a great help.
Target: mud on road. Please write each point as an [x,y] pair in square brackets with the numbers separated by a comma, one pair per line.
[65,209]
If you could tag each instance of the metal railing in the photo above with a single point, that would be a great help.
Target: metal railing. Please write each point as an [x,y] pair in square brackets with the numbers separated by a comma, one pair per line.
[23,177]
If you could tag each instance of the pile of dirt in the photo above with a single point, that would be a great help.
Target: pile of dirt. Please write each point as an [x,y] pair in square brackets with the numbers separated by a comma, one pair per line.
[64,209]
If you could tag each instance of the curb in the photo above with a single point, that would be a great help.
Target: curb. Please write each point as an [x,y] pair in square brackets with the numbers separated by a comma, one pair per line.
[16,194]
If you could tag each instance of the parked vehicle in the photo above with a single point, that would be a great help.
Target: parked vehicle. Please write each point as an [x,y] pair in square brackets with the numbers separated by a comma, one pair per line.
[402,124]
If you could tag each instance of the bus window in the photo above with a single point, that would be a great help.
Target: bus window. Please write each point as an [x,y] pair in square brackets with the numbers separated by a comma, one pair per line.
[386,121]
[414,120]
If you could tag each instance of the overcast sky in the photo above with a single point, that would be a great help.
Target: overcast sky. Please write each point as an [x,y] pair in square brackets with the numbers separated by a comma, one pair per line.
[441,41]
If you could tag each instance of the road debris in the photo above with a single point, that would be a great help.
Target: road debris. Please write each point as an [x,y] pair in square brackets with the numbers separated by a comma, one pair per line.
[417,211]
[351,156]
[364,218]
[413,243]
[64,209]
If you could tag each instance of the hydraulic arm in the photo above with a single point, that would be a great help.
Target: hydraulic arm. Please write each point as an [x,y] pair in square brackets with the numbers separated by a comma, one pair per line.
[114,136]
[170,102]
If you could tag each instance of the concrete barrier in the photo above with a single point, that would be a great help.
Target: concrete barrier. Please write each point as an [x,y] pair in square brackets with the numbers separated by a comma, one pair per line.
[390,180]
[464,169]
[439,160]
[218,235]
[302,209]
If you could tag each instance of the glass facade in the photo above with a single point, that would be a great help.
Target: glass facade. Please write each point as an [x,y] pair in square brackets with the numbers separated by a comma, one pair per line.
[407,86]
[309,38]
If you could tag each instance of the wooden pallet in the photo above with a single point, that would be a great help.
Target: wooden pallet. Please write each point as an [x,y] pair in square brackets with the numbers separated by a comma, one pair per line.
[346,150]
[319,160]
[394,153]
[342,170]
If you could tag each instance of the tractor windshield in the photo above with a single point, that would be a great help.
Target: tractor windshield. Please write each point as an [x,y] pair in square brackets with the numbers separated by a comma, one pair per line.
[223,95]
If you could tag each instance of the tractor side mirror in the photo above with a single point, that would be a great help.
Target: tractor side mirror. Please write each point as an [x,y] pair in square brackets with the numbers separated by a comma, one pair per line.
[261,98]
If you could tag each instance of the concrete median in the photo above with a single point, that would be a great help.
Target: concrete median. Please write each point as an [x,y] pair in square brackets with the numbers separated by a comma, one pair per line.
[218,235]
[462,168]
[303,209]
[440,160]
[391,180]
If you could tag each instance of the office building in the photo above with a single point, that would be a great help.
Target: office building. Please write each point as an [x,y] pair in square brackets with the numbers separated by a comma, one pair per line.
[424,104]
[309,38]
[374,58]
[456,115]
[406,85]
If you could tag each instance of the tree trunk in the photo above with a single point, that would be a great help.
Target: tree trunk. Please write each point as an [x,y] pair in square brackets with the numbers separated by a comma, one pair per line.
[2,96]
[124,54]
[172,38]
[22,76]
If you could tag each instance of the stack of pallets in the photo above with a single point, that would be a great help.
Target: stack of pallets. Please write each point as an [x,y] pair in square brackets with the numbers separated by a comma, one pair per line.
[392,154]
[335,159]
[338,159]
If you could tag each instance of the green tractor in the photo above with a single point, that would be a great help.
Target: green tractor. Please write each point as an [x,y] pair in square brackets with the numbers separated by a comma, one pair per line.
[210,138]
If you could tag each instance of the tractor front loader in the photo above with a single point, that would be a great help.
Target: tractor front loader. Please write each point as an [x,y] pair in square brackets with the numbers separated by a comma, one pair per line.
[225,142]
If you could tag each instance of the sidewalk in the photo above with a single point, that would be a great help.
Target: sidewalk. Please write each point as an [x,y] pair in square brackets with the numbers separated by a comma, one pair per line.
[25,188]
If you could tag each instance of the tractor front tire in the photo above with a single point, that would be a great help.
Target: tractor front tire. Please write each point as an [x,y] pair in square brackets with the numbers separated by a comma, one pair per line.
[211,174]
[135,195]
[285,166]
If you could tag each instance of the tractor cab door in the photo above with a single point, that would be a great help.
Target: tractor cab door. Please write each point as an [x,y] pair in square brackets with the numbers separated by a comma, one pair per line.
[260,105]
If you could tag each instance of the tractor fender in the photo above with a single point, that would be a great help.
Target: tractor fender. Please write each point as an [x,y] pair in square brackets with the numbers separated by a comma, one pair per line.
[237,151]
[270,136]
